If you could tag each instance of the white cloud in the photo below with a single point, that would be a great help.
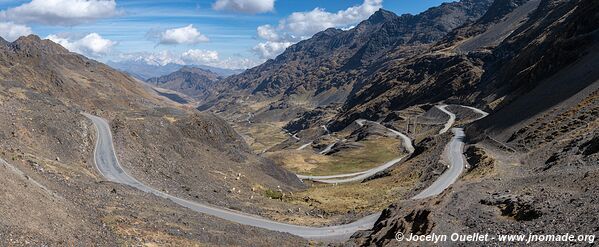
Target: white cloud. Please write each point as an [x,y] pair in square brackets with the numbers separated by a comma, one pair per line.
[191,57]
[184,35]
[195,56]
[245,6]
[270,49]
[268,32]
[10,31]
[306,24]
[160,58]
[237,63]
[92,44]
[60,12]
[302,25]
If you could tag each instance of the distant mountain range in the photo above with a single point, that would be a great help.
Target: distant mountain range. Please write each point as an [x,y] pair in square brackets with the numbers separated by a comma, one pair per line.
[188,80]
[144,71]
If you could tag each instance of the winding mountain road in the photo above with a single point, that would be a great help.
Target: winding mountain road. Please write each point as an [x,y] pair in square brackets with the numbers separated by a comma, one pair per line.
[447,178]
[479,111]
[451,120]
[109,167]
[453,152]
[354,177]
[359,176]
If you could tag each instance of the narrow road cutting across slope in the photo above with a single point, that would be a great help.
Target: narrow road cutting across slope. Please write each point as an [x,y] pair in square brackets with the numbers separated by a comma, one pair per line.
[452,117]
[479,111]
[454,152]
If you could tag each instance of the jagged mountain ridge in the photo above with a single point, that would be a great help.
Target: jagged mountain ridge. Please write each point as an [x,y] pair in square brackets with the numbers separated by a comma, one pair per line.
[326,66]
[443,73]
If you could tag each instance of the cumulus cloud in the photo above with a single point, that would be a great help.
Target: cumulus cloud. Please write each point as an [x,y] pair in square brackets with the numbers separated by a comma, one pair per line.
[60,12]
[306,24]
[236,63]
[302,25]
[245,6]
[195,56]
[190,57]
[184,35]
[92,44]
[10,31]
[270,49]
[268,32]
[160,58]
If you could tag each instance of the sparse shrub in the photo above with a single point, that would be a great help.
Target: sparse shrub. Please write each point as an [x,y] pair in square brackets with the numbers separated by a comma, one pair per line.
[277,195]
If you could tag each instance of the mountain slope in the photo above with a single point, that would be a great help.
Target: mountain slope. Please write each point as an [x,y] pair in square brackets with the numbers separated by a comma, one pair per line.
[48,146]
[533,158]
[445,72]
[323,69]
[48,68]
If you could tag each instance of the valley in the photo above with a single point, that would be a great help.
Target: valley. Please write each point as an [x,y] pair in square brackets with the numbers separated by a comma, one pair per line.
[468,117]
[108,165]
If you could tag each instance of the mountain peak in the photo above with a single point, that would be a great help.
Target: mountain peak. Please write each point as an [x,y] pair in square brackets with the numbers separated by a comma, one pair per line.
[32,38]
[193,69]
[36,43]
[381,16]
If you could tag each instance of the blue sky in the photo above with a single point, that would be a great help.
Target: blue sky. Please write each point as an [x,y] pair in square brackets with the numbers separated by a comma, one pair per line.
[224,36]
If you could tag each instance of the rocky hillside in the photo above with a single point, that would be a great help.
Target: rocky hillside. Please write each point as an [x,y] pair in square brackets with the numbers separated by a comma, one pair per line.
[446,72]
[54,194]
[195,82]
[489,75]
[324,68]
[48,68]
[533,160]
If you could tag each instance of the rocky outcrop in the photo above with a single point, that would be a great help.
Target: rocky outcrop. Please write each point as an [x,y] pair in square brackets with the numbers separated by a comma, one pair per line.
[396,219]
[520,208]
[478,159]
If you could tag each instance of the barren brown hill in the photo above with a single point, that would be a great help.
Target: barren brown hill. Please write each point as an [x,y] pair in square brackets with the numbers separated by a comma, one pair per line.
[53,194]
